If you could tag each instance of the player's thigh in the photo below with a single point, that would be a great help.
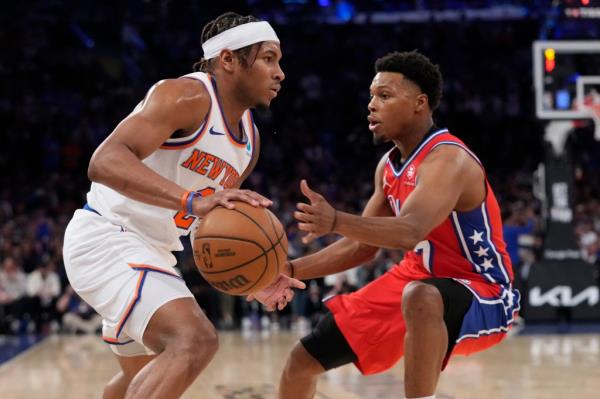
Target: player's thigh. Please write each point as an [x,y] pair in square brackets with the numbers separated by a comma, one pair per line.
[325,348]
[457,300]
[111,269]
[180,323]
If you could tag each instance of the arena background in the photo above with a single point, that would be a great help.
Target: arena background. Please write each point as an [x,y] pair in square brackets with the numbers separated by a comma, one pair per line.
[71,70]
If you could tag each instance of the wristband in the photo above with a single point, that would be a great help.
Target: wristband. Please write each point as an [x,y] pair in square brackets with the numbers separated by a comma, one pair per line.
[184,198]
[187,200]
[190,201]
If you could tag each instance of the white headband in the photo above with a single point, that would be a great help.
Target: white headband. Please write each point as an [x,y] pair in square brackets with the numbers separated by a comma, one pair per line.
[238,37]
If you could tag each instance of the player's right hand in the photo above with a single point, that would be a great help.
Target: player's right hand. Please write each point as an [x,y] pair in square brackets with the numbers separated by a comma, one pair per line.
[317,218]
[224,198]
[278,294]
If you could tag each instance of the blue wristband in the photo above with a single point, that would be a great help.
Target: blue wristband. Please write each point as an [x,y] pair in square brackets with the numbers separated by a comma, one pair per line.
[190,200]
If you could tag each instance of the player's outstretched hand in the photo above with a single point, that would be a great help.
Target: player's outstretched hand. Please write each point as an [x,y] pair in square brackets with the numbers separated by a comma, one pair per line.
[278,294]
[203,205]
[316,219]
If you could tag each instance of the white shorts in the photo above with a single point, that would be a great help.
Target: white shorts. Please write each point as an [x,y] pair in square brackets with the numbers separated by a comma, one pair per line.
[121,276]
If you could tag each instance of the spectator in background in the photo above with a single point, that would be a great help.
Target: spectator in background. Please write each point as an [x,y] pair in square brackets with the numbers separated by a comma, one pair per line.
[43,288]
[314,304]
[341,283]
[207,298]
[77,316]
[520,222]
[589,241]
[13,287]
[227,309]
[594,212]
[518,230]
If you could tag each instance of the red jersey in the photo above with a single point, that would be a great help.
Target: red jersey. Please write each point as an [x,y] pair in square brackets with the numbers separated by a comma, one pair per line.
[467,245]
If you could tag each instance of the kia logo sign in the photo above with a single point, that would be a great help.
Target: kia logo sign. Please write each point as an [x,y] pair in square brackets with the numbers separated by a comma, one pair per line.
[562,296]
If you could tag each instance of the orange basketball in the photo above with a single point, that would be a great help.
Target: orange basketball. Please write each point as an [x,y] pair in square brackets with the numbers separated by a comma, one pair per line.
[240,251]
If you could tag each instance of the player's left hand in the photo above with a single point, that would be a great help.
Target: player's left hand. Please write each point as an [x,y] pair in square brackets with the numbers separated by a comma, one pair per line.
[316,219]
[278,294]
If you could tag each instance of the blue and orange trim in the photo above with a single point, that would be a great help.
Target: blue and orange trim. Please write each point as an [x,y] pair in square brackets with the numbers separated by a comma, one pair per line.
[148,268]
[115,341]
[144,270]
[252,137]
[234,140]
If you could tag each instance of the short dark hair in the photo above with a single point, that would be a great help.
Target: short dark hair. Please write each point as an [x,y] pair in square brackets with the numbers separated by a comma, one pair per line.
[220,24]
[418,69]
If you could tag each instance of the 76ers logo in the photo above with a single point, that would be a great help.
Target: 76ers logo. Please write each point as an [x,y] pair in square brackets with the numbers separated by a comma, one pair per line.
[410,172]
[410,175]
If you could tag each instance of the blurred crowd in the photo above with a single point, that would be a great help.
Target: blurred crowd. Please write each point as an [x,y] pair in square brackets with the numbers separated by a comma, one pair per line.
[72,77]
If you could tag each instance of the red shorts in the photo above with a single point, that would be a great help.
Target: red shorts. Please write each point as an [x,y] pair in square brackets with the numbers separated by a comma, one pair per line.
[372,323]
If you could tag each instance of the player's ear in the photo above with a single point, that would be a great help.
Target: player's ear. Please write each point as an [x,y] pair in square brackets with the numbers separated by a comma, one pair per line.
[227,60]
[422,101]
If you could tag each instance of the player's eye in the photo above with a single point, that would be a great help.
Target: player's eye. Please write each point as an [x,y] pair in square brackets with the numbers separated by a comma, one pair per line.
[268,58]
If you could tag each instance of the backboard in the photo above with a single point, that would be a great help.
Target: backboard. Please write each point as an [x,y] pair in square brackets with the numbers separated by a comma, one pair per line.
[566,78]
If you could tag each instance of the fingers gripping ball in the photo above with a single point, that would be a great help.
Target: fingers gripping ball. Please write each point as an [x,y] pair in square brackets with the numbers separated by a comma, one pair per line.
[240,251]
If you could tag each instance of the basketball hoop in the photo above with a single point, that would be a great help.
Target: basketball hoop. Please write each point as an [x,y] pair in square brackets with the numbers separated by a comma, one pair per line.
[594,112]
[591,107]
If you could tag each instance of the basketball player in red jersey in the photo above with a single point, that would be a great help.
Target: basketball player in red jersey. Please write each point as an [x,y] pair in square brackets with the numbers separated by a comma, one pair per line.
[452,293]
[185,149]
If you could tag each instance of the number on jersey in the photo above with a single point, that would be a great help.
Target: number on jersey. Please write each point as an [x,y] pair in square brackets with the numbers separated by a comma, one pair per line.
[425,249]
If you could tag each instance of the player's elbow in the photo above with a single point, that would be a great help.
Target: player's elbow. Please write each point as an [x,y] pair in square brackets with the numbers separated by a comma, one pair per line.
[92,171]
[409,240]
[367,252]
[99,166]
[408,245]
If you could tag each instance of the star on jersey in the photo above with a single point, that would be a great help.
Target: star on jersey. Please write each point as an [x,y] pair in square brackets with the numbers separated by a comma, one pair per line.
[511,298]
[476,237]
[487,264]
[481,252]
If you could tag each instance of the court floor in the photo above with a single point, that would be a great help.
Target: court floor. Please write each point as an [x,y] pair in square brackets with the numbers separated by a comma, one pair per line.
[247,366]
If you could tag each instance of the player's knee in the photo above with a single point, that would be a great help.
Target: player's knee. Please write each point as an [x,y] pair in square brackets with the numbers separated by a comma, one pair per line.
[194,349]
[109,392]
[205,344]
[300,362]
[421,301]
[116,387]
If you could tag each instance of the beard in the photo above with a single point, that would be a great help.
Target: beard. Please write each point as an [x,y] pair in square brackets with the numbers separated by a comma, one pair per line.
[262,108]
[377,140]
[263,113]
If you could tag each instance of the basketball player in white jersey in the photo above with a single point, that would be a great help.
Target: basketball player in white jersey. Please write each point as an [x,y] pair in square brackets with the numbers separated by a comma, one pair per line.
[185,149]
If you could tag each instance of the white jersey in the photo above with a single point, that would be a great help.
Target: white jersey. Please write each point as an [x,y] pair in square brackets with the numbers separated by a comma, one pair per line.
[208,160]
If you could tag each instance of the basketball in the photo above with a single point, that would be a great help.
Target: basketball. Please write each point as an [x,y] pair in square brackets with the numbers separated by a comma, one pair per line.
[240,251]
